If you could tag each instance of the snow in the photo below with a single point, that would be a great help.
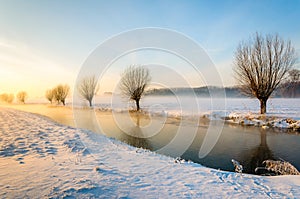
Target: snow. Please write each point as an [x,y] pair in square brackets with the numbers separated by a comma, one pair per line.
[264,121]
[283,107]
[40,158]
[243,111]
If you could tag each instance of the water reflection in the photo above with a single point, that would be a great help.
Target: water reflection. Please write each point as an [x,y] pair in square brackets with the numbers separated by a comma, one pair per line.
[87,119]
[257,155]
[248,145]
[136,135]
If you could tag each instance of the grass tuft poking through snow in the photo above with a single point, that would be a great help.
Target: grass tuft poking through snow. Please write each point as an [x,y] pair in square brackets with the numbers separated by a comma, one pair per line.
[281,167]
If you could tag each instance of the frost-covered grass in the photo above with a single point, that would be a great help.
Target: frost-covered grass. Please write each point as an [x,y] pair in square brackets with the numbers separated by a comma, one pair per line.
[40,158]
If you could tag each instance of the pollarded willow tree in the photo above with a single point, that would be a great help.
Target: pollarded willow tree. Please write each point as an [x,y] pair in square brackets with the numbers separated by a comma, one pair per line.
[133,83]
[261,64]
[60,93]
[49,95]
[8,98]
[22,96]
[88,88]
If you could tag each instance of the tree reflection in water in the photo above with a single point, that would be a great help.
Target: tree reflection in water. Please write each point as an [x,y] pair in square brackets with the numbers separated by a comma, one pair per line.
[135,136]
[257,155]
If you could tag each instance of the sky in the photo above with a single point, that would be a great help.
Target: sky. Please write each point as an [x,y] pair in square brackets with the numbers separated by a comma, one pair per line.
[44,43]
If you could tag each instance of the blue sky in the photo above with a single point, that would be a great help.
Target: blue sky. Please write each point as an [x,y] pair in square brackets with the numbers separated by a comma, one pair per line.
[43,43]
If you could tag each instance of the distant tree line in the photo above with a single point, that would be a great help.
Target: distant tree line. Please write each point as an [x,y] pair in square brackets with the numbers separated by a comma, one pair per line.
[291,88]
[204,91]
[285,90]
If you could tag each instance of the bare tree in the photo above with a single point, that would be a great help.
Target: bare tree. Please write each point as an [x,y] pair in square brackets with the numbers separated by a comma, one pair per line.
[49,95]
[3,97]
[88,88]
[22,96]
[261,64]
[133,83]
[8,98]
[60,93]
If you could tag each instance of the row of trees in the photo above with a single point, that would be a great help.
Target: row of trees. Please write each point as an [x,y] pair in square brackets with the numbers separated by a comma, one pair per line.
[9,98]
[87,89]
[133,83]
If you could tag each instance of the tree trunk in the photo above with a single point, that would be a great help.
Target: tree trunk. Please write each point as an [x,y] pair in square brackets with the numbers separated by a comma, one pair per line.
[63,102]
[263,106]
[137,104]
[90,102]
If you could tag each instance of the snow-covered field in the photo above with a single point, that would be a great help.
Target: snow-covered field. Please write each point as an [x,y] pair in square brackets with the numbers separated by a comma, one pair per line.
[40,158]
[281,112]
[281,107]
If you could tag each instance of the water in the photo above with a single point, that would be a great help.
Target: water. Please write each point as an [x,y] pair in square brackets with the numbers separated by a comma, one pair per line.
[248,145]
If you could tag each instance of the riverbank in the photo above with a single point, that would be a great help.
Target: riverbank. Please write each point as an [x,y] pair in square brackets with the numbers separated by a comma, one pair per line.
[40,158]
[287,120]
[183,137]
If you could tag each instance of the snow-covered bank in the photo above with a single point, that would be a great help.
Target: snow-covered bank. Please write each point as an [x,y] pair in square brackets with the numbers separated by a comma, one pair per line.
[40,158]
[283,113]
[263,121]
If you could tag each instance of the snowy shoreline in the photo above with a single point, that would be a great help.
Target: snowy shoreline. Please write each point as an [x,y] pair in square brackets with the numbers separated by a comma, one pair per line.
[41,158]
[239,118]
[283,113]
[263,121]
